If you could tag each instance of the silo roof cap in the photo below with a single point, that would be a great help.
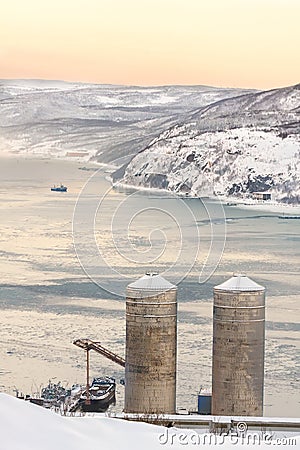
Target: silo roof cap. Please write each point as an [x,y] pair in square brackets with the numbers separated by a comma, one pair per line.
[239,282]
[152,281]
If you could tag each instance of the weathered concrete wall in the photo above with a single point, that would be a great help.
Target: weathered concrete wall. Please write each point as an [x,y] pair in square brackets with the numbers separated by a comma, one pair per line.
[238,353]
[151,341]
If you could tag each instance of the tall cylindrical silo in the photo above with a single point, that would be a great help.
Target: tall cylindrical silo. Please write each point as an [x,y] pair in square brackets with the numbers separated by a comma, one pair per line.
[151,341]
[238,348]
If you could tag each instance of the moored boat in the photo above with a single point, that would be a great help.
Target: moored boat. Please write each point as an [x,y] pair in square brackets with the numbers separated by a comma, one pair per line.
[101,396]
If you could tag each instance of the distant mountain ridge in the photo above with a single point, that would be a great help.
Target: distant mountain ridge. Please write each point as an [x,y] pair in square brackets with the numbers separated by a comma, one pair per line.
[194,140]
[233,147]
[102,122]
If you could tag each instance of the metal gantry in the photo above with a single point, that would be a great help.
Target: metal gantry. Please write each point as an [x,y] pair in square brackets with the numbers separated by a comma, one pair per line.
[87,345]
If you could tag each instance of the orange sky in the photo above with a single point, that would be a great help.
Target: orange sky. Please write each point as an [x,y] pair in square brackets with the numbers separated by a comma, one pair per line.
[244,43]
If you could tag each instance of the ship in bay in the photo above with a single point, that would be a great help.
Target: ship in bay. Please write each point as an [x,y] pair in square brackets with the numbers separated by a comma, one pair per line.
[60,188]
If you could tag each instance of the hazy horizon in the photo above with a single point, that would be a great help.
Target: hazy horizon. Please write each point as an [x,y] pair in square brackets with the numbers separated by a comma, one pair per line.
[56,80]
[239,44]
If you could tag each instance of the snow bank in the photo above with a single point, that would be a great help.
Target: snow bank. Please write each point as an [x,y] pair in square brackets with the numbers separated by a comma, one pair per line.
[24,426]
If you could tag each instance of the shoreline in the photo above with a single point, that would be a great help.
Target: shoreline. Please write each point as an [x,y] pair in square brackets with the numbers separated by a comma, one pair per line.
[268,206]
[276,207]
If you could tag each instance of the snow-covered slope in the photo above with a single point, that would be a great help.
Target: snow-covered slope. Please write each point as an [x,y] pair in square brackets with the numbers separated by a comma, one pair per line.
[105,122]
[234,147]
[24,426]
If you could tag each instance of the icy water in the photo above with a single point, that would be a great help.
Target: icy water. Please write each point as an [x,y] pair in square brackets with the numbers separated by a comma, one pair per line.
[65,263]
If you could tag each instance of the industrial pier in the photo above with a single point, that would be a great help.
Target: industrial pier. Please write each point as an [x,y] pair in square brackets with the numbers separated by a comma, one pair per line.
[151,349]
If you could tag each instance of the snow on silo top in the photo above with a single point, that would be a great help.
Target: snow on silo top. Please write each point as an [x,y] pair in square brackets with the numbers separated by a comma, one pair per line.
[152,281]
[239,283]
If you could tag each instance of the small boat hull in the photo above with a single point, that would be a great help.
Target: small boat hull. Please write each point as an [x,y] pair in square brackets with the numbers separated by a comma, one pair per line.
[101,396]
[60,188]
[99,405]
[289,217]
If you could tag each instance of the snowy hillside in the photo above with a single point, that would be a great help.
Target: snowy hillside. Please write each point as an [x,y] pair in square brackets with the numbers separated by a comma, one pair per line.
[233,147]
[104,122]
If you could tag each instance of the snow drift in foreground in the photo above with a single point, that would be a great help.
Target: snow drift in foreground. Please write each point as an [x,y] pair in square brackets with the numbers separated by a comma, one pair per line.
[24,426]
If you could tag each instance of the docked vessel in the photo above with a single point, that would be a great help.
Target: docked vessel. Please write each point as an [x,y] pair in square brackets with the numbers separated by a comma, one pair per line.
[100,396]
[60,188]
[51,396]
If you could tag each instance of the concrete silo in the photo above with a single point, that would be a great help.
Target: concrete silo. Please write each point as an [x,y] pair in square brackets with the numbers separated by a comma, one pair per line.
[238,348]
[151,341]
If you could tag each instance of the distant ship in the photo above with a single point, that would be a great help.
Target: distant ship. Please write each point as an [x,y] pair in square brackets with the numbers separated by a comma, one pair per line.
[288,217]
[60,188]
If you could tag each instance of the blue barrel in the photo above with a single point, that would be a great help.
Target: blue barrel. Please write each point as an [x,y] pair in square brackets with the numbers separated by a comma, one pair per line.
[204,403]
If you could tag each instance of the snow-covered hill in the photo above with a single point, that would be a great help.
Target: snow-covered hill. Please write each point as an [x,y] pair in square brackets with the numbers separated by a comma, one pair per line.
[104,122]
[189,139]
[234,147]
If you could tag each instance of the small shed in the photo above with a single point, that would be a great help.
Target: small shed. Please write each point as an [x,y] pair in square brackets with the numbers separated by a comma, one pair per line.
[262,195]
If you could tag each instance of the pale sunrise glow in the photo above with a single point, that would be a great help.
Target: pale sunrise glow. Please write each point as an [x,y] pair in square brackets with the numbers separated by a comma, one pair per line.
[238,43]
